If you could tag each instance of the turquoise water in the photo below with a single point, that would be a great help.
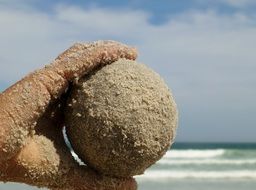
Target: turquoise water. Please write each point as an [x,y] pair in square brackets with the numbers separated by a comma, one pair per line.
[206,166]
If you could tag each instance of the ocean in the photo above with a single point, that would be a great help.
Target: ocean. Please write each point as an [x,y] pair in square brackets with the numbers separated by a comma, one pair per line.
[203,166]
[197,166]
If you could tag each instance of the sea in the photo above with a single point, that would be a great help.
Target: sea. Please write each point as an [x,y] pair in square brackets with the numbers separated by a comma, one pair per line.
[203,166]
[196,166]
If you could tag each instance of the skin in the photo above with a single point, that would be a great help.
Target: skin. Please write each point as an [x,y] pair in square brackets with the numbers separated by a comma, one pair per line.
[32,148]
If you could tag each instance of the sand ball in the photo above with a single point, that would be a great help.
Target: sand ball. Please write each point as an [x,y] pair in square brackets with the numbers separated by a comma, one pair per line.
[121,119]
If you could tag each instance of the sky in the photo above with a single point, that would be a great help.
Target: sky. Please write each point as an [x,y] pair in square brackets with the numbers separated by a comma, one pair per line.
[204,50]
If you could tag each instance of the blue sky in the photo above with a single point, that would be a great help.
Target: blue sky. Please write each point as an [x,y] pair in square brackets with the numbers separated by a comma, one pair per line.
[204,49]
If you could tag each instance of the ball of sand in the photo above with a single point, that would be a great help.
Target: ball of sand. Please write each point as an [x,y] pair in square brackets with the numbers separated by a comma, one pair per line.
[121,119]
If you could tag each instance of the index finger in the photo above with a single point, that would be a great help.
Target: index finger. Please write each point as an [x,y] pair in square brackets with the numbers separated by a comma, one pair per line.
[81,58]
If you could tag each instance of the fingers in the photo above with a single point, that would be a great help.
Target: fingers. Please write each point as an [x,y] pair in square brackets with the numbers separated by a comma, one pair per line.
[79,60]
[82,58]
[24,103]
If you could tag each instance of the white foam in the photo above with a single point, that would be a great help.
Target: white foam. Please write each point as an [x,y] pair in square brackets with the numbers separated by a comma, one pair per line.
[207,161]
[163,175]
[192,153]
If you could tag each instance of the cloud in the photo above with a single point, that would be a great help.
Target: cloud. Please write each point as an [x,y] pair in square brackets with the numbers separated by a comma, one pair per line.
[207,58]
[30,38]
[100,20]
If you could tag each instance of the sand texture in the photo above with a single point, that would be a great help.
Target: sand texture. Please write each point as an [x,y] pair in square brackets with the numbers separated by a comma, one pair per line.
[121,119]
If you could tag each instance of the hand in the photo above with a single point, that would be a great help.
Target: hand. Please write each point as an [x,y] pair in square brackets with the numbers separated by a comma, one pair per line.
[32,148]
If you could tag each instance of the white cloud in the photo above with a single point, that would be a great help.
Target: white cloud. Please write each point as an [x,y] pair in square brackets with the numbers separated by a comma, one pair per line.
[99,20]
[208,59]
[30,39]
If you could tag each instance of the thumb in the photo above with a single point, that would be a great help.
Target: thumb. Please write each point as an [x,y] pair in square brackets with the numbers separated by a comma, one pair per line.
[47,163]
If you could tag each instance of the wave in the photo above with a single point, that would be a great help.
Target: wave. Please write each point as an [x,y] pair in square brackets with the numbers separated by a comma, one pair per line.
[207,161]
[164,175]
[193,153]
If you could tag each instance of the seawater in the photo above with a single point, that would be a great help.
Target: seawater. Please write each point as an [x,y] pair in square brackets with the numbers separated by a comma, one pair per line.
[199,166]
[203,166]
